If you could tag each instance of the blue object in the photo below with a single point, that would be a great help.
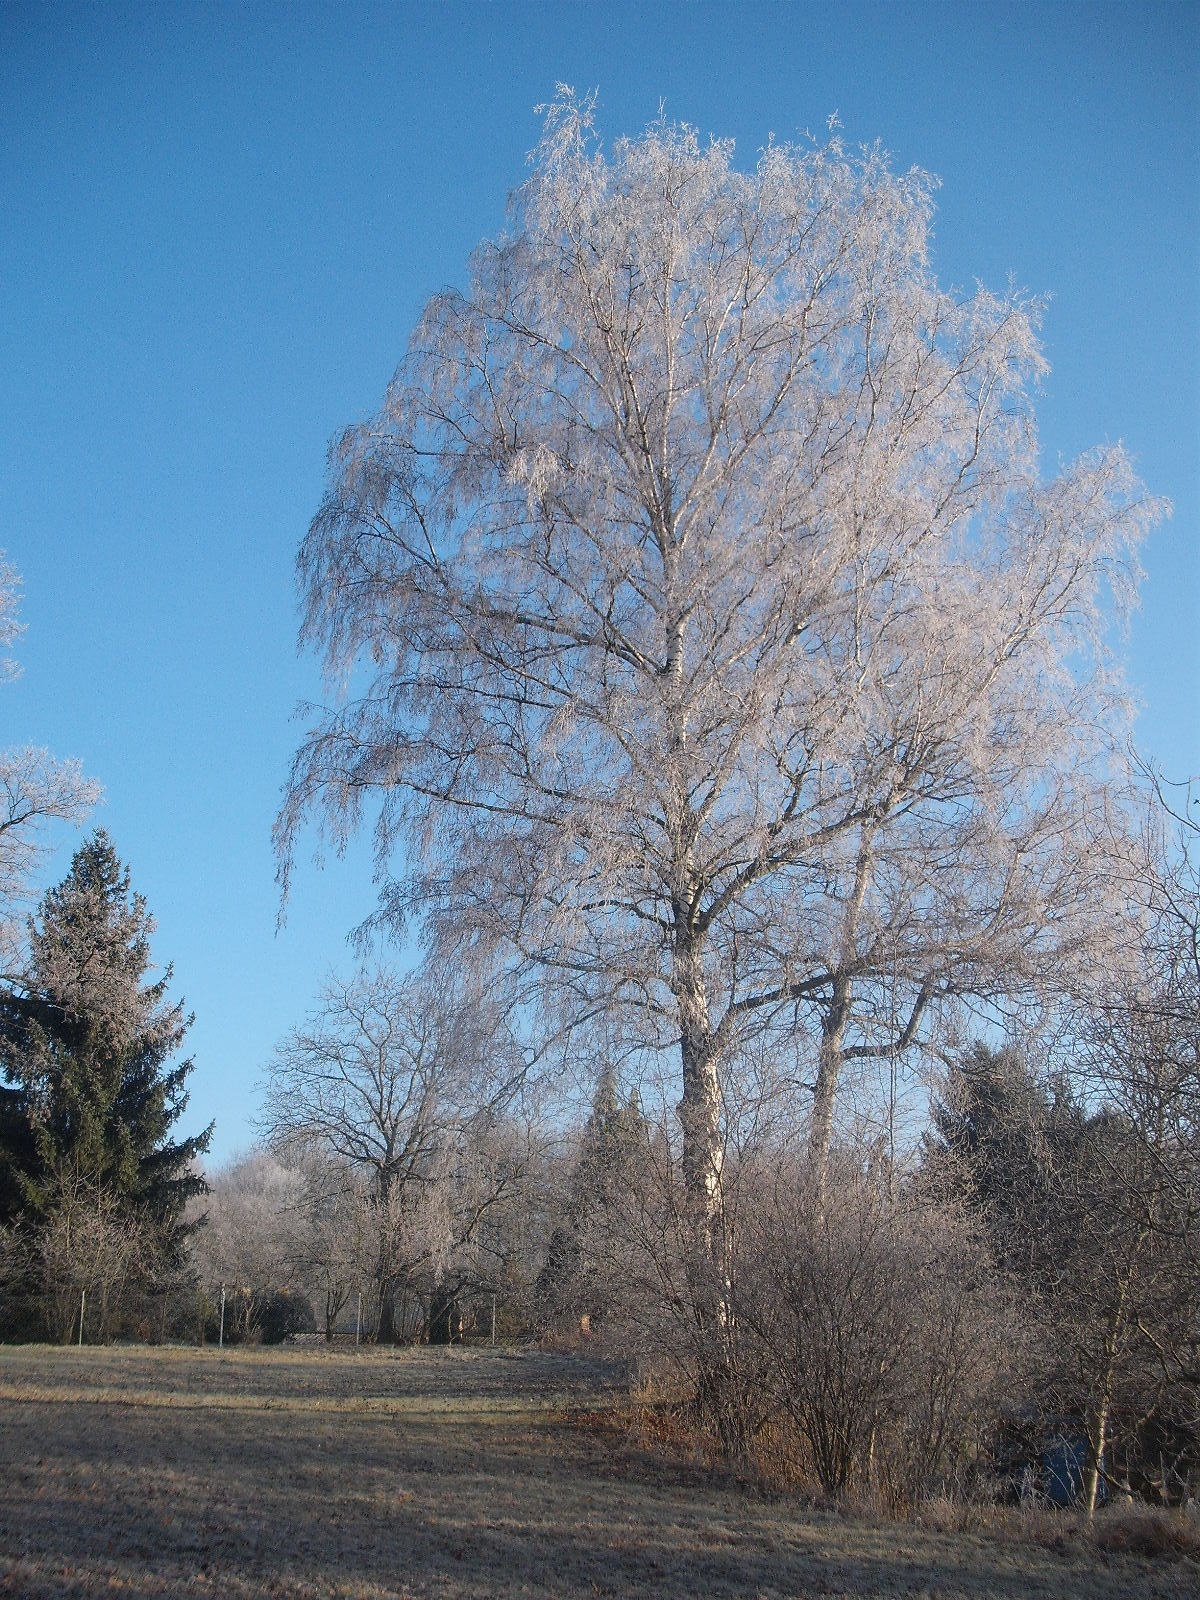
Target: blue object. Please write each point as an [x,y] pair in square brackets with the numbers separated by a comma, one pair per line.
[1064,1465]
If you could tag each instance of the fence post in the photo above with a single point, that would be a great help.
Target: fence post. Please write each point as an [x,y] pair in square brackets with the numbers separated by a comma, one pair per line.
[82,1302]
[358,1321]
[493,1322]
[221,1330]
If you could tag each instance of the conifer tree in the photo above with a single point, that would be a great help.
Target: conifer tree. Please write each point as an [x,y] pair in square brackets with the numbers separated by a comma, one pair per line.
[582,1259]
[88,1049]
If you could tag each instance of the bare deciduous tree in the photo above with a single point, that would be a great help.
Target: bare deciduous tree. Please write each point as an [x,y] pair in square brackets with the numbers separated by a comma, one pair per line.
[89,1244]
[250,1240]
[1136,1029]
[34,789]
[332,1248]
[389,1076]
[725,649]
[1135,1042]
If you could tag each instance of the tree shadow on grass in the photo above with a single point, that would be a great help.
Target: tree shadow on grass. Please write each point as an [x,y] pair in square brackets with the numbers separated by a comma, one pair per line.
[365,1504]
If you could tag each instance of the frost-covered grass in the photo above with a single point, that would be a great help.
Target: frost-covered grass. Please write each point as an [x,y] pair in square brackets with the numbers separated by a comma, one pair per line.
[428,1473]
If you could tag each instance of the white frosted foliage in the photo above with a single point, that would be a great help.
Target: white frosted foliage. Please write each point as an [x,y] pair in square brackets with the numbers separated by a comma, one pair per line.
[714,640]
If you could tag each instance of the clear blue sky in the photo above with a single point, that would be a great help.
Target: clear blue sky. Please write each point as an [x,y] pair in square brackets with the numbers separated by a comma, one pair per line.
[218,224]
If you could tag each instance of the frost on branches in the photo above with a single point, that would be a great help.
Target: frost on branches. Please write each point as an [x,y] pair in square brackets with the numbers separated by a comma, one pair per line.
[34,789]
[714,643]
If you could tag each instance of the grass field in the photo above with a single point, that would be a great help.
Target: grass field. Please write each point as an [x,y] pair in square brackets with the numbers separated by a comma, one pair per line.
[250,1473]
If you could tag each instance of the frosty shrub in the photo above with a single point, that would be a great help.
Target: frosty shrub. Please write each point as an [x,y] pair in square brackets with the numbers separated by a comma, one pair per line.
[875,1327]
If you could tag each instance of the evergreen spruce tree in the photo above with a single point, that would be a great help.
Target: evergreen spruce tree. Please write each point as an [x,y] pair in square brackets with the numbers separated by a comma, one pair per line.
[583,1259]
[88,1049]
[1007,1146]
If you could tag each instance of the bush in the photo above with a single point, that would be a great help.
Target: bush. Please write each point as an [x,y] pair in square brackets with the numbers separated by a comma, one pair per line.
[268,1316]
[873,1328]
[282,1313]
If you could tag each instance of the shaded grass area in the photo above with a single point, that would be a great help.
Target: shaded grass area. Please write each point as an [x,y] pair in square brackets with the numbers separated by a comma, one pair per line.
[426,1473]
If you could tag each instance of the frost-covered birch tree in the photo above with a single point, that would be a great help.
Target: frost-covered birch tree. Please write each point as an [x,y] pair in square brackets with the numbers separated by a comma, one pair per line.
[706,633]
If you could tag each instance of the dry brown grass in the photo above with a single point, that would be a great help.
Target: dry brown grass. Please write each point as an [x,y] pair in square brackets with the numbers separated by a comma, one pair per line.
[1148,1531]
[431,1473]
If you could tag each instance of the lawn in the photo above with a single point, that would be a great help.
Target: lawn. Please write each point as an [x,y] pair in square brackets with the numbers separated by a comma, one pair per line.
[448,1473]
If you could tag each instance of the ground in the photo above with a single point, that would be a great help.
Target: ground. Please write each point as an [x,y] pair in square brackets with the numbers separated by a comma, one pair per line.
[428,1473]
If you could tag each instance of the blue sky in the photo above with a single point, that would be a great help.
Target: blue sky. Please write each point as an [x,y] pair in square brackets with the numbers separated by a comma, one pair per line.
[219,223]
